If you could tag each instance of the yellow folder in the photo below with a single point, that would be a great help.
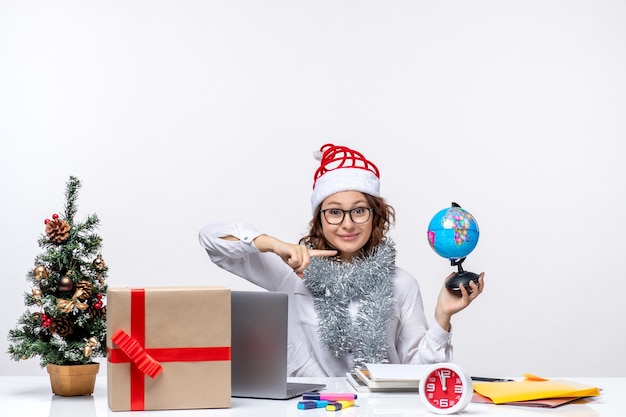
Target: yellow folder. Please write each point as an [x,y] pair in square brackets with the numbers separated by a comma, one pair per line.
[533,389]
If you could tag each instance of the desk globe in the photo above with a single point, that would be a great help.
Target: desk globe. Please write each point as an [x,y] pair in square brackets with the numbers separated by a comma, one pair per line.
[453,234]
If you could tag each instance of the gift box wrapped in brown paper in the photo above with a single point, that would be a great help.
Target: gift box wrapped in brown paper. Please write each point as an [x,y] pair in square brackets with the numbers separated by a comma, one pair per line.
[168,348]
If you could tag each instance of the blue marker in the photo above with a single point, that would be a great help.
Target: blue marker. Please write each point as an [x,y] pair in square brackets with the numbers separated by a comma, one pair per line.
[309,404]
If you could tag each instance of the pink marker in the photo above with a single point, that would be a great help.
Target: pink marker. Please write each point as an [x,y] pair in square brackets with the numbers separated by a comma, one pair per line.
[329,396]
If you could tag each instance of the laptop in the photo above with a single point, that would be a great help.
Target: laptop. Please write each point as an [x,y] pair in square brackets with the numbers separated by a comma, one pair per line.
[259,347]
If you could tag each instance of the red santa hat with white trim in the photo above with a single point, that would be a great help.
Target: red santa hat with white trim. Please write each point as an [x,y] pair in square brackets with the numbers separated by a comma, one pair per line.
[342,169]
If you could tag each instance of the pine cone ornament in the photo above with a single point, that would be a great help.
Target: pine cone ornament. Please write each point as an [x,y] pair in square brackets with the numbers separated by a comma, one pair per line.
[57,230]
[61,326]
[97,313]
[85,288]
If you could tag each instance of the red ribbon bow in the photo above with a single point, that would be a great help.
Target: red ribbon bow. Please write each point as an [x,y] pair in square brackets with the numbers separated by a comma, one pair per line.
[137,354]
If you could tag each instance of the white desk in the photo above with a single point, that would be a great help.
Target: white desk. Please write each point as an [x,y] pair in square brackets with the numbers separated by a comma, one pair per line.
[32,397]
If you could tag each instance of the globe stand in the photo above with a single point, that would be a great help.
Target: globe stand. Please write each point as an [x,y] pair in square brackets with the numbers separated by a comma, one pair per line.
[460,277]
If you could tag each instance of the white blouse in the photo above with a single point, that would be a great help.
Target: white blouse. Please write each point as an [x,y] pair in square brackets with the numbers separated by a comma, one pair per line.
[410,338]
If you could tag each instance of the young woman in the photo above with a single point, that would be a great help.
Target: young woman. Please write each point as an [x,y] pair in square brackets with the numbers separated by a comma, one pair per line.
[349,303]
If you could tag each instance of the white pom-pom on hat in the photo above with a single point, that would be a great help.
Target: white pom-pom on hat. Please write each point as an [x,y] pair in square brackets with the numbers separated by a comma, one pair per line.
[342,169]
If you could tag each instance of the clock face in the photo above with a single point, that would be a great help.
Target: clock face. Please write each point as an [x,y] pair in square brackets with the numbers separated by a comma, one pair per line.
[446,389]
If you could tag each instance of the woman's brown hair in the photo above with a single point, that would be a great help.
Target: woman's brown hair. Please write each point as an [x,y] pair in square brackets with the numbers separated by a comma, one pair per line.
[383,217]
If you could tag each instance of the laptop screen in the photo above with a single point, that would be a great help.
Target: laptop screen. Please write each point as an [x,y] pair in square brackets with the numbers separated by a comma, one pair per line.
[259,346]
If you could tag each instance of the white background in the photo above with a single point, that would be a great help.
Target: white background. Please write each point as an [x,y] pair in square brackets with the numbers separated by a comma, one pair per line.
[174,114]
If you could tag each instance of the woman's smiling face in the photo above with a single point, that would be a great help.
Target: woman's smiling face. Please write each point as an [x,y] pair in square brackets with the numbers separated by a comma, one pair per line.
[347,237]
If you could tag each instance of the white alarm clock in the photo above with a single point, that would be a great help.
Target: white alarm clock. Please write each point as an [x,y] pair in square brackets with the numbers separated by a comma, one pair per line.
[445,388]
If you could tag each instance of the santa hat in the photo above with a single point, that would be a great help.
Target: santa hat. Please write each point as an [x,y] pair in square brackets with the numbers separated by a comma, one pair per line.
[343,169]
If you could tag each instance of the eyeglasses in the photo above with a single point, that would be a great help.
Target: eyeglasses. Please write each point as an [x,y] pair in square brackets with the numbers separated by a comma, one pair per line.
[358,215]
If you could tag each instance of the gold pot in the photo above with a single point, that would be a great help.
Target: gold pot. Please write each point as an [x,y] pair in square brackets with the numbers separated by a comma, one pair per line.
[73,380]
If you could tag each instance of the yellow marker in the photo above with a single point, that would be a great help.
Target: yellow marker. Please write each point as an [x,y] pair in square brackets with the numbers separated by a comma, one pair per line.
[339,405]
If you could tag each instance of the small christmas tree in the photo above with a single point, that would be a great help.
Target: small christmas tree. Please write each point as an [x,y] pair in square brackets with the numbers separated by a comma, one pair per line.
[65,322]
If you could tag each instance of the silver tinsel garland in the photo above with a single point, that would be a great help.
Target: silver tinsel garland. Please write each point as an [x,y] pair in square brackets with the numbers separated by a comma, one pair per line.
[367,280]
